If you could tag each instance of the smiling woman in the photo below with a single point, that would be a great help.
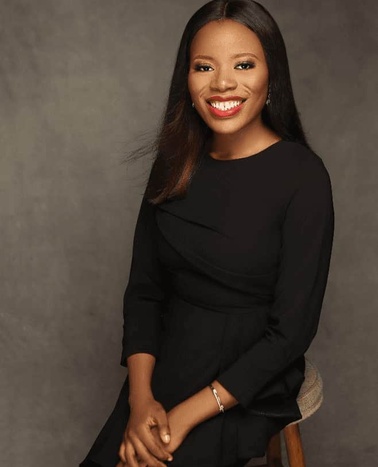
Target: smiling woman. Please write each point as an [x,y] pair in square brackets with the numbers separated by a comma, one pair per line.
[230,259]
[217,70]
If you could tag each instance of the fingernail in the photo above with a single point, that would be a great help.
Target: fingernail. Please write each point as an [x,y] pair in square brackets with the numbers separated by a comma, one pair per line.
[170,458]
[167,438]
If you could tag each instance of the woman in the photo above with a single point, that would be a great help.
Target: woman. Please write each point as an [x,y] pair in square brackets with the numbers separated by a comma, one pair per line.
[230,256]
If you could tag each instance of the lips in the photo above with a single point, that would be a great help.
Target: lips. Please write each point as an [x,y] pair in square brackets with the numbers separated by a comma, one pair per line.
[225,106]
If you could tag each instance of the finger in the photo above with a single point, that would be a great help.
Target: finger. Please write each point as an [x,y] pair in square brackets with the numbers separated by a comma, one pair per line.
[149,441]
[146,456]
[121,452]
[163,426]
[130,455]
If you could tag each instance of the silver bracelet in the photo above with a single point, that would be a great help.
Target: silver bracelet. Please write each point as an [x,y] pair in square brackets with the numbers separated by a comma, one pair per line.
[221,406]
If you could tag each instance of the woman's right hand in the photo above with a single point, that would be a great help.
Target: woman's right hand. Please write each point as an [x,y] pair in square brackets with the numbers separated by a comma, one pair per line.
[139,444]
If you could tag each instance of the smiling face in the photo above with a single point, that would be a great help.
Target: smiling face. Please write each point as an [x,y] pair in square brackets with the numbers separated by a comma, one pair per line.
[228,77]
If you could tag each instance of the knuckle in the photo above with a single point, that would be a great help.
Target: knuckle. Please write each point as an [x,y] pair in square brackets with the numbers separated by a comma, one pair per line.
[159,407]
[158,413]
[130,429]
[132,435]
[128,449]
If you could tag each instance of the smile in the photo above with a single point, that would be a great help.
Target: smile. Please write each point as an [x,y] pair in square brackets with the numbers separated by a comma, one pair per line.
[225,108]
[225,105]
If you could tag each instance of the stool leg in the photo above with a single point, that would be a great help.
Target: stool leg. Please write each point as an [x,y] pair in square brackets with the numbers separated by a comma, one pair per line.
[273,453]
[294,447]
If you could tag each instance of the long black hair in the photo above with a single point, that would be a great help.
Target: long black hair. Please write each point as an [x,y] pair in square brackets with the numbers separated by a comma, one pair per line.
[183,135]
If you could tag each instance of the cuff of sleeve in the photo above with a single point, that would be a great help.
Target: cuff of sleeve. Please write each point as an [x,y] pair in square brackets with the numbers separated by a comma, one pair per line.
[252,393]
[128,351]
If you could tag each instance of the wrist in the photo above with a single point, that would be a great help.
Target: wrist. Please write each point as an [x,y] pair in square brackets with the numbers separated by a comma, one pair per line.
[140,397]
[203,404]
[184,415]
[198,408]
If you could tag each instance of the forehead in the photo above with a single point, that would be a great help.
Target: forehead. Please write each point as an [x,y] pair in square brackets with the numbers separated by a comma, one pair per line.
[225,37]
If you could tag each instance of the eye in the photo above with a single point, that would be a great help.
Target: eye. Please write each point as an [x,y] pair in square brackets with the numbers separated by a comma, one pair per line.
[245,65]
[202,67]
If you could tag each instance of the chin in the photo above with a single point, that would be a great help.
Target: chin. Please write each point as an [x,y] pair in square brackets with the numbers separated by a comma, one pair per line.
[231,125]
[225,128]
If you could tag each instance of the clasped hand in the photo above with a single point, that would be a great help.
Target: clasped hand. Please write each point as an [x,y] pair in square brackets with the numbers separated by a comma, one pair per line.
[144,443]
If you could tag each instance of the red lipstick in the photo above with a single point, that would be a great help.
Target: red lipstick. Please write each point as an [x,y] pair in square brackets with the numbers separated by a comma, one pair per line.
[219,112]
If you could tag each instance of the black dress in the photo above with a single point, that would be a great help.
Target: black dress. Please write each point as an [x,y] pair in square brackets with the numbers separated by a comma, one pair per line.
[228,284]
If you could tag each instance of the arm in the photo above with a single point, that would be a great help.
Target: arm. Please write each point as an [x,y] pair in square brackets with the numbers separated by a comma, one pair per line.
[201,406]
[141,367]
[144,294]
[307,237]
[142,308]
[142,302]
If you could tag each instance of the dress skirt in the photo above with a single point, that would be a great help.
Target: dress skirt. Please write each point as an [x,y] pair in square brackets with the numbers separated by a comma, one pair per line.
[183,367]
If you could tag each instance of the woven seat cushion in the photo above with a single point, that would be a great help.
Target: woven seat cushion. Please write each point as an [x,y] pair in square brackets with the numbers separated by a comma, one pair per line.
[310,396]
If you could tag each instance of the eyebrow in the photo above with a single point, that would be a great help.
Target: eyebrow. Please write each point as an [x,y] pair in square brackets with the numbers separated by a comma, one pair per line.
[208,57]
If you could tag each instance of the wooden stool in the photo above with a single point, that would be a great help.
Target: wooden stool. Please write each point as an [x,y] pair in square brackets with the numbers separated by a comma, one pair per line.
[309,399]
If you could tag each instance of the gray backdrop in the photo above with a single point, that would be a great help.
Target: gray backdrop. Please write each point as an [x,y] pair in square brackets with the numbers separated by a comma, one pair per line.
[80,80]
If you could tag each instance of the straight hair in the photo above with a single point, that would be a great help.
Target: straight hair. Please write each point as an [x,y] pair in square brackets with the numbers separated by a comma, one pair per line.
[183,136]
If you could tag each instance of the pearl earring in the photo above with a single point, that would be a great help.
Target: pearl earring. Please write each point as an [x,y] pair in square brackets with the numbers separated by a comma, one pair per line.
[193,105]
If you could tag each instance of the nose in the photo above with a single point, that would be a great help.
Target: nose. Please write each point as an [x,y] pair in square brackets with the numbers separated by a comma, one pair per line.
[223,80]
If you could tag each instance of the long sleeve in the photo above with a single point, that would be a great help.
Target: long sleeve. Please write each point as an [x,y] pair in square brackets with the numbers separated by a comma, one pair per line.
[144,294]
[306,246]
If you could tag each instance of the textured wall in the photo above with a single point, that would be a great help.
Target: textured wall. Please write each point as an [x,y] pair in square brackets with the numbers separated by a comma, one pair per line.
[79,80]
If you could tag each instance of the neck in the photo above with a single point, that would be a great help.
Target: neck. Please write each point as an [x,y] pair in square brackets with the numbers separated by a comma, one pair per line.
[245,142]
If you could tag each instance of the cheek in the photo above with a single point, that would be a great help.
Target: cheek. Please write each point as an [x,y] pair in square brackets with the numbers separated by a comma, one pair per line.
[196,85]
[259,83]
[191,86]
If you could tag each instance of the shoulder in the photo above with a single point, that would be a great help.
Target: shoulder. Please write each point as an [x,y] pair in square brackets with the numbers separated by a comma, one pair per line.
[305,164]
[299,155]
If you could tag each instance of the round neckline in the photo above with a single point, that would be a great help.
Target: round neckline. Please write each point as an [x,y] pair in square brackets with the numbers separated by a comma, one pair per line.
[263,151]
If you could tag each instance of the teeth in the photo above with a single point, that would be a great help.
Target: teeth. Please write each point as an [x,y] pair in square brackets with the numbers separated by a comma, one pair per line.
[225,105]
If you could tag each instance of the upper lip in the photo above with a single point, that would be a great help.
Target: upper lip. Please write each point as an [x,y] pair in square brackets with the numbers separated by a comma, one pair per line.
[225,99]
